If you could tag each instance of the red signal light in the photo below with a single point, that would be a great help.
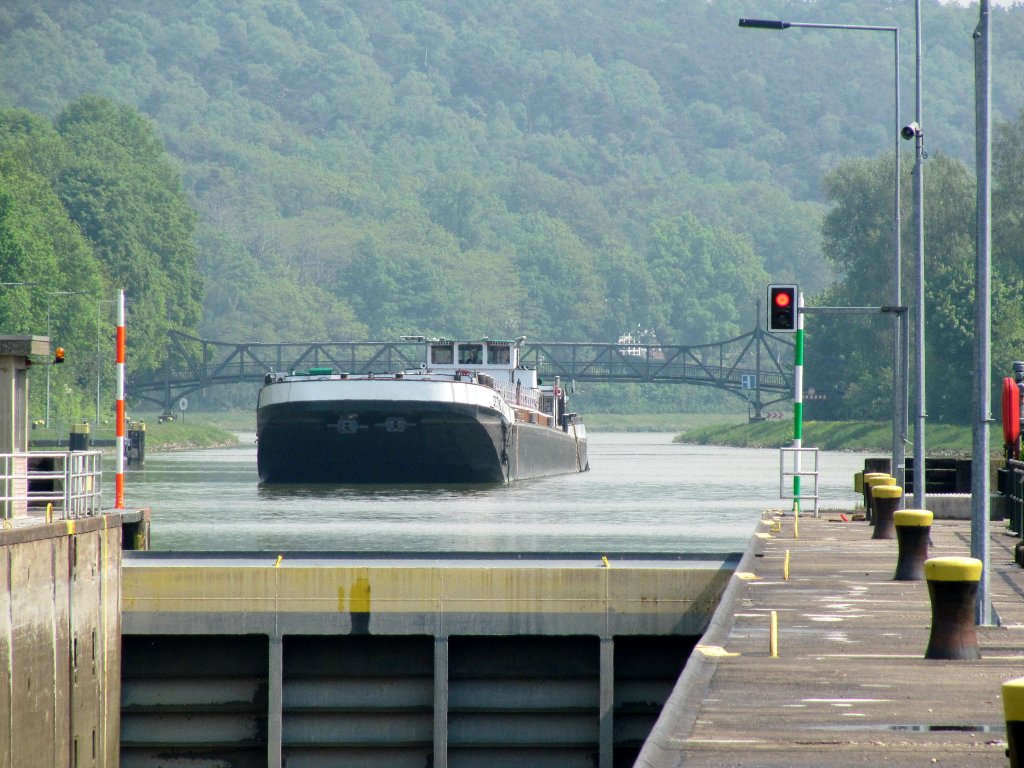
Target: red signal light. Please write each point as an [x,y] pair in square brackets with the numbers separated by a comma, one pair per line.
[782,308]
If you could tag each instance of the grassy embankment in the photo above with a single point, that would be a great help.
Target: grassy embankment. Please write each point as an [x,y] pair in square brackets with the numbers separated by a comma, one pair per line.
[942,439]
[208,430]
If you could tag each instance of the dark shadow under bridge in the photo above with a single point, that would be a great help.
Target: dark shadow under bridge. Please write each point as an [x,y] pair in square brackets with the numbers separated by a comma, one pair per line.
[755,366]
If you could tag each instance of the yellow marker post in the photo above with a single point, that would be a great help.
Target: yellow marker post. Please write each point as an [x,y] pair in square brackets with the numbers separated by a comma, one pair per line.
[785,567]
[279,559]
[773,635]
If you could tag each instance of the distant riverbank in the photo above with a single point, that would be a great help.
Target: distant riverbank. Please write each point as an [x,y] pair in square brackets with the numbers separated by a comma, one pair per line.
[211,430]
[941,439]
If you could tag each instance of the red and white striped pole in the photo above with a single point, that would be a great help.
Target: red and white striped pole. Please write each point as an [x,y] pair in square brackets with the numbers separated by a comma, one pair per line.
[119,422]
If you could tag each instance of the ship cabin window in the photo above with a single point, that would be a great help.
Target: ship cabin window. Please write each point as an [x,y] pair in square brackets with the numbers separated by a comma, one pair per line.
[499,355]
[441,354]
[471,354]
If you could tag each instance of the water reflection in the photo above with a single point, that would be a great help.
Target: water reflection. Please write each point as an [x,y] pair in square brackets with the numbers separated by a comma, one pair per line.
[643,494]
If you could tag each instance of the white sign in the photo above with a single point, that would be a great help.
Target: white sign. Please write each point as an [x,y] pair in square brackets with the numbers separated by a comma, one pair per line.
[183,403]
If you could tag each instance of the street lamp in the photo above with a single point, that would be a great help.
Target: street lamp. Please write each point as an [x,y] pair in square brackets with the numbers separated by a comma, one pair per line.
[99,366]
[46,421]
[900,376]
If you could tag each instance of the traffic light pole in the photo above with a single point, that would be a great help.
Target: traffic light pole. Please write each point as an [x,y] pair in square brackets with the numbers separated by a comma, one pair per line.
[798,400]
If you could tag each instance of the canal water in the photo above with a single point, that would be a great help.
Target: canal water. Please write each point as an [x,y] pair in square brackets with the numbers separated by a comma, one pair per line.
[642,494]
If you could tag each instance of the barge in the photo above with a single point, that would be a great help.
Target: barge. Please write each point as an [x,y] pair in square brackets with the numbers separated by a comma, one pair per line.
[471,413]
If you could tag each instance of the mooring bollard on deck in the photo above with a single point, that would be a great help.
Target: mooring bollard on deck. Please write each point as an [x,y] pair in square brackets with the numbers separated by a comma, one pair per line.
[913,529]
[865,478]
[886,501]
[1013,709]
[871,482]
[78,439]
[953,589]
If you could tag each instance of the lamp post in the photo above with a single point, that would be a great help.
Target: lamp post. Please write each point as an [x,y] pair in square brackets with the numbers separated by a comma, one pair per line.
[900,374]
[99,353]
[50,294]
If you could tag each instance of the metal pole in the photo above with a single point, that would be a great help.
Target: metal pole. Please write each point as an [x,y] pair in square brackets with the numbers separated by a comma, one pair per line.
[119,410]
[798,399]
[900,383]
[99,365]
[900,390]
[46,419]
[919,394]
[982,313]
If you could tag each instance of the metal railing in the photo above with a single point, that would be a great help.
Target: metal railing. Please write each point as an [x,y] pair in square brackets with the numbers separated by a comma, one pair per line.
[1014,493]
[796,458]
[70,481]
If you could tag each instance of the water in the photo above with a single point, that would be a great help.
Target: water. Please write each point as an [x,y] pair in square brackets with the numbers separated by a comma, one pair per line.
[643,494]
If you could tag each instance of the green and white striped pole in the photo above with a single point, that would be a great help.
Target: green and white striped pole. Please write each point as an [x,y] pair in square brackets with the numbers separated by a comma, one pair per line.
[798,400]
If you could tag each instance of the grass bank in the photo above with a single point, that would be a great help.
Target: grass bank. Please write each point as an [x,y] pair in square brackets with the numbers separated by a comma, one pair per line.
[942,439]
[656,422]
[185,435]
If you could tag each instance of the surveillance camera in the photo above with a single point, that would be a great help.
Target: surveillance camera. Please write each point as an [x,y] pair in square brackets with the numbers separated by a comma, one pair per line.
[911,131]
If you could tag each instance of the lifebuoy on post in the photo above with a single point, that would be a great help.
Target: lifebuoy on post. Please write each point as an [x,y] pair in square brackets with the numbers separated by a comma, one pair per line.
[1011,414]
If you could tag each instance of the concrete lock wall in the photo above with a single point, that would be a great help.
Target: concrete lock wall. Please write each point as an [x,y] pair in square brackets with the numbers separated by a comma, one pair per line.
[395,661]
[60,631]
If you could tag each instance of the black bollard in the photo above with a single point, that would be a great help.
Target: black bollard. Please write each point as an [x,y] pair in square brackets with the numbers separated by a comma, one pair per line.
[78,439]
[913,528]
[953,589]
[887,501]
[1013,708]
[872,483]
[865,488]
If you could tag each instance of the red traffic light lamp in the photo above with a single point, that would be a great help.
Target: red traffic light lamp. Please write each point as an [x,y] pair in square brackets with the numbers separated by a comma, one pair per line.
[782,308]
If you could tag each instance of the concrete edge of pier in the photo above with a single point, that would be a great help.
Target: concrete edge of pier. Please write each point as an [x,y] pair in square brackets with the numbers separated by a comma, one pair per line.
[850,683]
[683,705]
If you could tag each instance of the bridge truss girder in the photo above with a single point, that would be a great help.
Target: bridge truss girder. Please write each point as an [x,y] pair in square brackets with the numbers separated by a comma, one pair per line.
[749,366]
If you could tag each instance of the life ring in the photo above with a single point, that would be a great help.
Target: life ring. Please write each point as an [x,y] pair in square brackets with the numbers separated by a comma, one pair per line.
[1011,411]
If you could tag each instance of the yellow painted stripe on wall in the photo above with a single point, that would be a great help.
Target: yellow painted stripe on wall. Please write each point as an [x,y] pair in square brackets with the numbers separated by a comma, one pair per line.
[382,589]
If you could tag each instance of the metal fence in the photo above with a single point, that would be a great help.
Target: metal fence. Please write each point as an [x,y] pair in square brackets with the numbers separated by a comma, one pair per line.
[794,457]
[68,482]
[1012,487]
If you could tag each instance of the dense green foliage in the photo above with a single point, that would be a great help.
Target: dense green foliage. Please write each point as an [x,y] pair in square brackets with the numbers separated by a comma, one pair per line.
[561,169]
[850,360]
[89,204]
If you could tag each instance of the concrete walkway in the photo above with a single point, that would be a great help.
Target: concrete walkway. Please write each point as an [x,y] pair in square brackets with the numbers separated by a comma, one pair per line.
[850,686]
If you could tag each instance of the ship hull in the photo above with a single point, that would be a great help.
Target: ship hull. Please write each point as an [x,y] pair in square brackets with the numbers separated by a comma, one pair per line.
[394,440]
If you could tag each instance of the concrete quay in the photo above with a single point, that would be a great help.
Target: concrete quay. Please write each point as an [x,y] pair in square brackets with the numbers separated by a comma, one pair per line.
[850,685]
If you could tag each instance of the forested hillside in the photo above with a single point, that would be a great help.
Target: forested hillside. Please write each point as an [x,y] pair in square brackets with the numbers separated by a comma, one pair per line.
[560,169]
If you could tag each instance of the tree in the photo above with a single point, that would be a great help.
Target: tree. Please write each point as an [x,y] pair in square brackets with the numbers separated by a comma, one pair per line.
[120,188]
[50,283]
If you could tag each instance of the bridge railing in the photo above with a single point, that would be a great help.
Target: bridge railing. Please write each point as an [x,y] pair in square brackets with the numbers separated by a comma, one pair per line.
[747,362]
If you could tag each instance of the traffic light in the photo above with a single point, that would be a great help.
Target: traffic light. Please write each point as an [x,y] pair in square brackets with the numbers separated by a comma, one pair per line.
[58,356]
[782,307]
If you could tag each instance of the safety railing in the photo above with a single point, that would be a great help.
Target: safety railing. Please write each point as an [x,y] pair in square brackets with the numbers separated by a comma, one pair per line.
[1014,492]
[66,482]
[796,459]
